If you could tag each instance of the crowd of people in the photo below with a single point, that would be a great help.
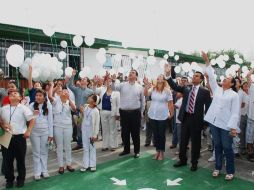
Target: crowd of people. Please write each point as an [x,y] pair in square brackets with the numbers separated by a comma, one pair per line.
[76,110]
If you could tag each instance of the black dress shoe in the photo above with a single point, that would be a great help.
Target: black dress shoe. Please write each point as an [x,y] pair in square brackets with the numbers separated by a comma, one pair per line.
[179,164]
[136,155]
[70,169]
[146,145]
[20,183]
[124,153]
[194,168]
[61,170]
[173,146]
[104,149]
[9,185]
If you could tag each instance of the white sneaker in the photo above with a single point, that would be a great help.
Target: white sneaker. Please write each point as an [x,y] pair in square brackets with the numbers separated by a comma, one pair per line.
[37,177]
[83,169]
[93,169]
[45,175]
[212,159]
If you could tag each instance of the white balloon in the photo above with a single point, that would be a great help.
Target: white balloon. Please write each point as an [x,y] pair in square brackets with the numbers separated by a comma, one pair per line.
[15,55]
[62,55]
[176,57]
[252,64]
[222,64]
[213,62]
[165,56]
[151,60]
[244,68]
[68,71]
[225,57]
[48,30]
[118,57]
[102,51]
[239,60]
[186,67]
[171,53]
[236,56]
[28,61]
[77,40]
[82,74]
[151,52]
[89,41]
[35,73]
[101,58]
[63,44]
[177,69]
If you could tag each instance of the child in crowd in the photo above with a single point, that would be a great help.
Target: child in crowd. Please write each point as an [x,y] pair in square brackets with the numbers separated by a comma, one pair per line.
[90,130]
[42,133]
[15,117]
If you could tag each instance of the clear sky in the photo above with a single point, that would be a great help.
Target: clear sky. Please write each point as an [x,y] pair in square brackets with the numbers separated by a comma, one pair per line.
[186,25]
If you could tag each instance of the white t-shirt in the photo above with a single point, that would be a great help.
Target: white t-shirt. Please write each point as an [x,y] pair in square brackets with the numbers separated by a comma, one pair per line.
[178,104]
[159,105]
[61,113]
[251,102]
[43,123]
[16,116]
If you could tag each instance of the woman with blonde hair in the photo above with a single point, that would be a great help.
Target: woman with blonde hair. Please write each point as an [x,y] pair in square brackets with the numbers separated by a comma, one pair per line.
[161,109]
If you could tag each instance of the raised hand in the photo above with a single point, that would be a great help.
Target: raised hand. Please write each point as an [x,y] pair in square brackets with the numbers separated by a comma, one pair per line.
[30,69]
[74,72]
[146,81]
[205,57]
[167,70]
[96,79]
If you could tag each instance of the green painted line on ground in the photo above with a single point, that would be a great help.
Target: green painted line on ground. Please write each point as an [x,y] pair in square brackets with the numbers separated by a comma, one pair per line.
[139,173]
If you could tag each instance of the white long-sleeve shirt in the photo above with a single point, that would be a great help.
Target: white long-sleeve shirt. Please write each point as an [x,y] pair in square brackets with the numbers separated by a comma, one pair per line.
[224,109]
[43,123]
[251,102]
[131,96]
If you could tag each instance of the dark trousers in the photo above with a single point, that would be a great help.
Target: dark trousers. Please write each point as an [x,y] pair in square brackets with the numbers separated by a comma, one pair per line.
[149,134]
[159,130]
[16,150]
[131,123]
[174,132]
[190,129]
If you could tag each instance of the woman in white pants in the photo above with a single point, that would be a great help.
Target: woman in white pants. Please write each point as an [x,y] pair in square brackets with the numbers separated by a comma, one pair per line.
[90,130]
[62,107]
[41,134]
[109,106]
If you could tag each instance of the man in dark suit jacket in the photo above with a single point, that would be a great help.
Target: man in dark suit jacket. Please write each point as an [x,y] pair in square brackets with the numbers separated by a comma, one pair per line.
[196,101]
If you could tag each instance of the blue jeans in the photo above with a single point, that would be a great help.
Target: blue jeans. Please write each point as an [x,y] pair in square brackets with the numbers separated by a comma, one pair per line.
[223,147]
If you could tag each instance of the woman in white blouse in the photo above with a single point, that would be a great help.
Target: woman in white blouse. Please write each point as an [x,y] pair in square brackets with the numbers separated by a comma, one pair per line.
[62,107]
[223,116]
[109,111]
[161,109]
[42,133]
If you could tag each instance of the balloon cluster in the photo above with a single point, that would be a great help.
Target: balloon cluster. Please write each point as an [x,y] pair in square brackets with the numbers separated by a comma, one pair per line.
[45,67]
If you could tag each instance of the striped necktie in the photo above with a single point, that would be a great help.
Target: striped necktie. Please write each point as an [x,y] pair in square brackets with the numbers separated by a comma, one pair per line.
[191,100]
